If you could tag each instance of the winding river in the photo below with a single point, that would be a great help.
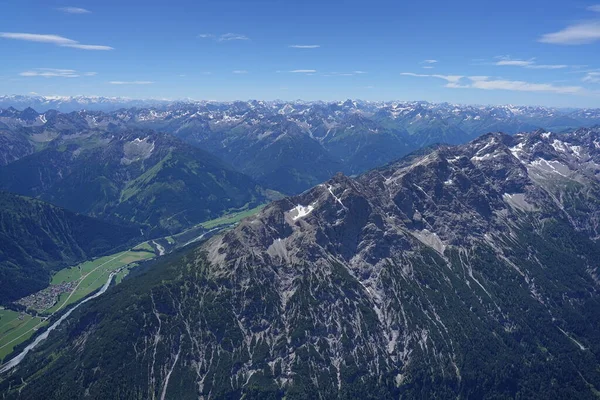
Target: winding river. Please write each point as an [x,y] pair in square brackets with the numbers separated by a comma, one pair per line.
[17,359]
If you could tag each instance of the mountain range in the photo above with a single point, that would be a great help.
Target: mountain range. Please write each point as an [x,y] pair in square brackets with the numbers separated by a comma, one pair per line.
[130,175]
[291,146]
[466,271]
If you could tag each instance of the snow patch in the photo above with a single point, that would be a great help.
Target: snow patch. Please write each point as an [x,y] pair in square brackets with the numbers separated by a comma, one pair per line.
[553,166]
[517,150]
[300,211]
[329,187]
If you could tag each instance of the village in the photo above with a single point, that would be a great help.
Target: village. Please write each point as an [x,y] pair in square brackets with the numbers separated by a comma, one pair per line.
[46,298]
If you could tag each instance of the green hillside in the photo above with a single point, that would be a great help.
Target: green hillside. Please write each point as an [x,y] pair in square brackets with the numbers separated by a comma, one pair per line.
[38,238]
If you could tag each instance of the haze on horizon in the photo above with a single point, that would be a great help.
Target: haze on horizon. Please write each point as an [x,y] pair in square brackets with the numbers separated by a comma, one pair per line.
[468,52]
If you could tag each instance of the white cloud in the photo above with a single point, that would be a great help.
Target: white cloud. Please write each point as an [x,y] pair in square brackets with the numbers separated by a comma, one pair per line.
[55,73]
[52,39]
[548,66]
[32,37]
[478,78]
[515,63]
[427,67]
[449,78]
[304,71]
[88,47]
[487,83]
[592,77]
[239,71]
[353,73]
[429,61]
[580,33]
[305,46]
[594,8]
[74,10]
[131,82]
[522,86]
[232,36]
[531,64]
[226,37]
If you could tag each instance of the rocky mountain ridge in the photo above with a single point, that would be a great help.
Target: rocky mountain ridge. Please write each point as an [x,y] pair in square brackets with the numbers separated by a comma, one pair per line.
[273,142]
[460,271]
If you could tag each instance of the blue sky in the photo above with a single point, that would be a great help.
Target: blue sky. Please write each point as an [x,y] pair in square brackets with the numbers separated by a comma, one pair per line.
[520,52]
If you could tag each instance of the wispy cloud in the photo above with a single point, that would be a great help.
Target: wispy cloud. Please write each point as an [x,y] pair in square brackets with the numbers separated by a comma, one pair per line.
[580,33]
[594,8]
[303,71]
[352,73]
[226,37]
[131,82]
[592,77]
[531,63]
[427,67]
[239,71]
[74,10]
[232,36]
[88,47]
[305,46]
[52,39]
[449,78]
[487,83]
[515,63]
[522,86]
[55,73]
[429,61]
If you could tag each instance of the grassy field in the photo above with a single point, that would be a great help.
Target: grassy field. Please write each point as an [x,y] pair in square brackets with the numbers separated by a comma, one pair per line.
[93,275]
[15,330]
[144,246]
[231,218]
[121,274]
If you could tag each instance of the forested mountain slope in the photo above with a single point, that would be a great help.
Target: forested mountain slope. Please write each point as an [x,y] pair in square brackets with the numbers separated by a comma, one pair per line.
[130,175]
[467,271]
[38,238]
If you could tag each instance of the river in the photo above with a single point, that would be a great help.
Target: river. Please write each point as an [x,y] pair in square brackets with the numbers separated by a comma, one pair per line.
[17,359]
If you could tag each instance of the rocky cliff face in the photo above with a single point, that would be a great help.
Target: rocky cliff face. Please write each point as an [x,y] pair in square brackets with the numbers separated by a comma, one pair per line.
[467,271]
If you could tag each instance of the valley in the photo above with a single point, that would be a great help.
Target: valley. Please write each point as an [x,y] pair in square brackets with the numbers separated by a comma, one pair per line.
[70,285]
